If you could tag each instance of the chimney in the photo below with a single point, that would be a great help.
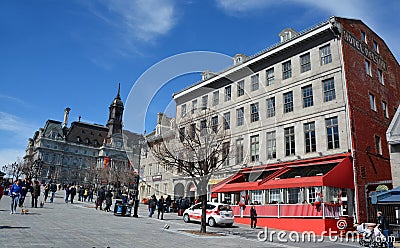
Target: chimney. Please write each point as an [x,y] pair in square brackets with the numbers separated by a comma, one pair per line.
[66,113]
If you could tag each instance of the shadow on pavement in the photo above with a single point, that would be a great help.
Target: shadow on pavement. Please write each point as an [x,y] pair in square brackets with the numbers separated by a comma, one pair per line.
[14,227]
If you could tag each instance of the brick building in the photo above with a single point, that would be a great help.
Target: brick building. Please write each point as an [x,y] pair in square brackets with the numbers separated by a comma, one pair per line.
[308,116]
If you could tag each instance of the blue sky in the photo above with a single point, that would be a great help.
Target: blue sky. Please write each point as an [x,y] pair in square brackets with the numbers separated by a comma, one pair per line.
[58,54]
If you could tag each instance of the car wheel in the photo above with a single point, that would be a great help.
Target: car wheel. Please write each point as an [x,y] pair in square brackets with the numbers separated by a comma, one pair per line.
[229,225]
[186,218]
[211,222]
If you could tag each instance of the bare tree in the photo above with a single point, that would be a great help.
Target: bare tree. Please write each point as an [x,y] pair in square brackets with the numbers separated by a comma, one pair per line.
[196,147]
[15,170]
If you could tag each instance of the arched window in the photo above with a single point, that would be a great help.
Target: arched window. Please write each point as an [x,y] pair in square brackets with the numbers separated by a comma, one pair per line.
[78,139]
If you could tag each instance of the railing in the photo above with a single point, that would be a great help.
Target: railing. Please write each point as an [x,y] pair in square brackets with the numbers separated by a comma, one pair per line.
[323,210]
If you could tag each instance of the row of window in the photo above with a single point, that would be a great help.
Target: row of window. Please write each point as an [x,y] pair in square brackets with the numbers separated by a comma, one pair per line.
[288,106]
[372,104]
[305,65]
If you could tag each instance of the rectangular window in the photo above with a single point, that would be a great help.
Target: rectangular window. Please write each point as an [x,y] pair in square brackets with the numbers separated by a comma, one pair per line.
[376,47]
[332,131]
[289,141]
[254,112]
[254,148]
[288,102]
[225,153]
[385,109]
[309,137]
[228,93]
[255,82]
[312,193]
[240,116]
[203,127]
[182,134]
[214,124]
[204,102]
[378,145]
[271,145]
[363,37]
[270,76]
[308,100]
[194,106]
[183,110]
[325,55]
[256,196]
[240,88]
[286,70]
[305,62]
[215,98]
[239,151]
[380,77]
[193,130]
[329,90]
[227,120]
[275,196]
[368,67]
[271,107]
[372,102]
[293,195]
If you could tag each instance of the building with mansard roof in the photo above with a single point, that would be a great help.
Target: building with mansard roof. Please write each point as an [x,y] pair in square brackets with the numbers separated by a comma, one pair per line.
[70,154]
[308,119]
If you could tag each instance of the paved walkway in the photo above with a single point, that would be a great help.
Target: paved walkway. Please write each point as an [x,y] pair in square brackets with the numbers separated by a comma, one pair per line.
[80,225]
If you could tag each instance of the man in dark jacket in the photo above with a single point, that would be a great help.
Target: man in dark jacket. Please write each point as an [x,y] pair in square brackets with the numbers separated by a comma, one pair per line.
[253,217]
[53,189]
[72,192]
[100,198]
[384,227]
[109,196]
[160,207]
[35,192]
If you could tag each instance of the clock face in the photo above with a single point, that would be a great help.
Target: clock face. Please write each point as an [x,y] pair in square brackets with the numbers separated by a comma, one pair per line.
[119,144]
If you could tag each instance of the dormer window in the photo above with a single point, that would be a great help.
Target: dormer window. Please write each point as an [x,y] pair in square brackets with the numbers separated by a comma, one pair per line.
[78,139]
[87,141]
[287,34]
[239,58]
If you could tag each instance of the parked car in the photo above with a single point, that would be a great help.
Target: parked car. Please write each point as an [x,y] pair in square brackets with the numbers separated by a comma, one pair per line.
[216,214]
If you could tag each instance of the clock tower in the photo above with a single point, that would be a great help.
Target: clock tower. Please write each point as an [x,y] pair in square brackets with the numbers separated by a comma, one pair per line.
[116,110]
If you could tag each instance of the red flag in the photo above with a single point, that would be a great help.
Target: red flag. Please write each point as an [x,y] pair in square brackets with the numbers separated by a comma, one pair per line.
[106,161]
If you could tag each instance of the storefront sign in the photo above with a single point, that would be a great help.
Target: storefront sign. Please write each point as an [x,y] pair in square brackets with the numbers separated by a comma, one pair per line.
[364,49]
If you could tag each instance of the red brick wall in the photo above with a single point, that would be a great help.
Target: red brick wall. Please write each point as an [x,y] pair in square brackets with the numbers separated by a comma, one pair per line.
[366,123]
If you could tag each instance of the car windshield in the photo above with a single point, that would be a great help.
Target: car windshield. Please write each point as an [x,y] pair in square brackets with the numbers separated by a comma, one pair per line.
[224,208]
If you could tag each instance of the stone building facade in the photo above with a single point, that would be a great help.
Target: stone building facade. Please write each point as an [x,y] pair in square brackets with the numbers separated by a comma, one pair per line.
[323,94]
[68,154]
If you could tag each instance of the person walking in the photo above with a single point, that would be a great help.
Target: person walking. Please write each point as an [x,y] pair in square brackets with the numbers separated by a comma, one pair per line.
[35,192]
[26,186]
[152,205]
[384,227]
[72,192]
[160,207]
[67,192]
[168,201]
[46,191]
[109,196]
[53,189]
[253,217]
[15,193]
[100,198]
[90,196]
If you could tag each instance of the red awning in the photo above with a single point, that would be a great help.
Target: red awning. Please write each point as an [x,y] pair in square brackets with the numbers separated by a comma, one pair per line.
[237,187]
[340,176]
[293,182]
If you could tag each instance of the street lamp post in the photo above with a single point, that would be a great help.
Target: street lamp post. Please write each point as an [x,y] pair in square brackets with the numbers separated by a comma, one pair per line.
[137,200]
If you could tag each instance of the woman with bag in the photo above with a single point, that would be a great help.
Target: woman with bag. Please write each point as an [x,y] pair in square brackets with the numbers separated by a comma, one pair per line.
[15,193]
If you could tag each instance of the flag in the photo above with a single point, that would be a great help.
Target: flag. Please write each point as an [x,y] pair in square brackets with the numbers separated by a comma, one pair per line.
[106,161]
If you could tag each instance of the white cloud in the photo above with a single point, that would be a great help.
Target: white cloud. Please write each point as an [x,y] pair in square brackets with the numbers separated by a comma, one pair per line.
[344,7]
[143,20]
[9,156]
[14,124]
[379,18]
